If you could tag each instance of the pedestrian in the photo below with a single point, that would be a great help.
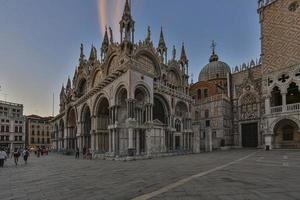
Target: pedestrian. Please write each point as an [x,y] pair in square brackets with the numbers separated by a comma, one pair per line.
[25,155]
[77,153]
[84,152]
[38,152]
[16,155]
[3,157]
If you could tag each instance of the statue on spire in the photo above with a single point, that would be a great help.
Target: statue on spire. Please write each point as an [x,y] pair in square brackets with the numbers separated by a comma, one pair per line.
[213,46]
[214,56]
[174,53]
[148,38]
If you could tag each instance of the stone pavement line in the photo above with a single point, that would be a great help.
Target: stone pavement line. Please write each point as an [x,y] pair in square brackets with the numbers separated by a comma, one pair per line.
[185,180]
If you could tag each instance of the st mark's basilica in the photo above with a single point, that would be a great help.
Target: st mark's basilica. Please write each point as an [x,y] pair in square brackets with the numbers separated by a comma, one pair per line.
[130,99]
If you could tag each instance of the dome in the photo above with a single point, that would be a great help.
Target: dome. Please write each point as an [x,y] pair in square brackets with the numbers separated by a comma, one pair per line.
[214,69]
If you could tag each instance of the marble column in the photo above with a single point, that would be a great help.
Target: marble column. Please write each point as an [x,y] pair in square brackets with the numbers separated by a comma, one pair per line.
[284,101]
[138,142]
[267,105]
[130,138]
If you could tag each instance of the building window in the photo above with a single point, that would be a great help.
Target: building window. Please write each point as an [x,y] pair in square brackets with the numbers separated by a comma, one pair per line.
[2,128]
[2,138]
[20,129]
[20,138]
[38,140]
[32,140]
[16,138]
[38,132]
[207,123]
[16,129]
[205,93]
[206,113]
[7,129]
[48,141]
[32,132]
[199,93]
[43,141]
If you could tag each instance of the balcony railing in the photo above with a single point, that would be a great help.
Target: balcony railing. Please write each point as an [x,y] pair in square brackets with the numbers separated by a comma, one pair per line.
[293,107]
[276,109]
[288,108]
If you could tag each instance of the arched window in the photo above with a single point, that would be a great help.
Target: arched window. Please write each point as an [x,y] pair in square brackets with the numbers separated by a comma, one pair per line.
[178,125]
[293,94]
[199,93]
[205,93]
[276,99]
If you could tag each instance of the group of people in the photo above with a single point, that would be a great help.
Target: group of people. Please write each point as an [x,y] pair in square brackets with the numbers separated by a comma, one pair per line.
[86,153]
[4,155]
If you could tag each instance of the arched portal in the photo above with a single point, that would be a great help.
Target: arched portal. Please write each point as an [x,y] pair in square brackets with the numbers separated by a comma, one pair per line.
[86,119]
[142,96]
[72,129]
[286,134]
[161,117]
[160,110]
[102,114]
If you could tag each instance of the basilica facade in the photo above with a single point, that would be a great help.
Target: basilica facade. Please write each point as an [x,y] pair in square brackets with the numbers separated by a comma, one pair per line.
[133,100]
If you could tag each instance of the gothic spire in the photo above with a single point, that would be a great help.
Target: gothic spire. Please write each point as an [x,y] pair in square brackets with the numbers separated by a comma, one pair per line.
[111,36]
[68,87]
[183,57]
[93,54]
[174,53]
[81,58]
[105,44]
[127,25]
[162,49]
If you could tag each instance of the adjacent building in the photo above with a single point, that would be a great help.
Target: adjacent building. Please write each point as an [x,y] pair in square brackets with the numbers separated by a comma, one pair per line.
[38,131]
[12,125]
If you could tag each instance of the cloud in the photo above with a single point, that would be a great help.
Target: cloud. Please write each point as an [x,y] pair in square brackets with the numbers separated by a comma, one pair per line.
[109,14]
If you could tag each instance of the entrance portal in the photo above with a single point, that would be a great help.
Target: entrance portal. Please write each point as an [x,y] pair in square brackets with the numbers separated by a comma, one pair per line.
[249,135]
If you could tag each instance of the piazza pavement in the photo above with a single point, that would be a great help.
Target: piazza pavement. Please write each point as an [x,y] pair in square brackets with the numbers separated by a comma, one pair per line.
[243,174]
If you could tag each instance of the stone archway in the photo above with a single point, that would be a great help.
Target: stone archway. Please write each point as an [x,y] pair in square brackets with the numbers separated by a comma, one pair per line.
[86,119]
[102,122]
[72,129]
[286,134]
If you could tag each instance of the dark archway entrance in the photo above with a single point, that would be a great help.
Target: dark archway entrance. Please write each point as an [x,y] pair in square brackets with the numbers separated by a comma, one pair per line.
[86,127]
[286,134]
[249,135]
[102,125]
[72,130]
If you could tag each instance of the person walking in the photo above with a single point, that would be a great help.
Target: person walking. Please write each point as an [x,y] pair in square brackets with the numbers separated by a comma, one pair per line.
[16,155]
[84,152]
[3,157]
[38,152]
[25,155]
[77,153]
